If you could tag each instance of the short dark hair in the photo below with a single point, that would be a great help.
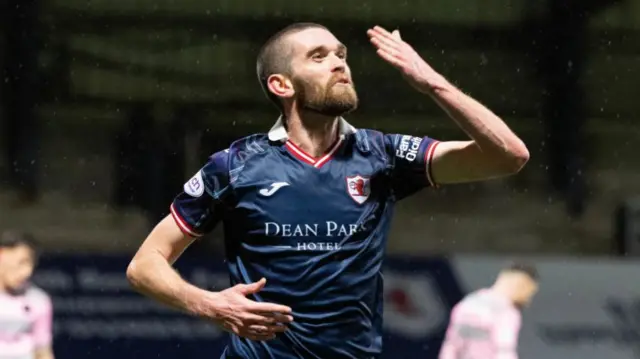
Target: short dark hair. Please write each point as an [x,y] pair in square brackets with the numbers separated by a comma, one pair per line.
[524,267]
[275,57]
[12,239]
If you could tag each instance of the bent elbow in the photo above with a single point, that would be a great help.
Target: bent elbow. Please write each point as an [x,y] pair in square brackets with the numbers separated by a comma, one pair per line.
[133,275]
[512,159]
[518,157]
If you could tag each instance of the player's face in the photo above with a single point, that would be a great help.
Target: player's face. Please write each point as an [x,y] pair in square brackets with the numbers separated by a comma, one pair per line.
[320,75]
[527,289]
[16,266]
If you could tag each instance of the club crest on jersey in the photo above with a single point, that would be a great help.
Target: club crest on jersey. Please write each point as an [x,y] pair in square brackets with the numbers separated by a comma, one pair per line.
[359,188]
[195,187]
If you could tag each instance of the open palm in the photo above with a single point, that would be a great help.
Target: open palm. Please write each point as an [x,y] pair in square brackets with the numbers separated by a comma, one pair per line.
[402,56]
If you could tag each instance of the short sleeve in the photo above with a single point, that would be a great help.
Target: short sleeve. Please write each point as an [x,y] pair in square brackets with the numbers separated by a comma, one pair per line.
[411,158]
[200,206]
[42,326]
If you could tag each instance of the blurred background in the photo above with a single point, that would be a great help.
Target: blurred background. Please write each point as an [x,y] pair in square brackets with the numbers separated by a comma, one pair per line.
[108,106]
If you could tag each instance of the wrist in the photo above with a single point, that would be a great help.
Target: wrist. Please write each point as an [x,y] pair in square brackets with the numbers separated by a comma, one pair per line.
[435,83]
[197,301]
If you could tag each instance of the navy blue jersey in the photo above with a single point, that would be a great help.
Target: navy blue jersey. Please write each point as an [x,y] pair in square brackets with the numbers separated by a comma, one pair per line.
[315,228]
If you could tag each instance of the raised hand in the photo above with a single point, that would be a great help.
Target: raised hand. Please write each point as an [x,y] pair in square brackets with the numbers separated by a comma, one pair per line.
[391,48]
[232,311]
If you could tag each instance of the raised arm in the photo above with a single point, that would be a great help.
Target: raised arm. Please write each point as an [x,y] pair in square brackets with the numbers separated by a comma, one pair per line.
[493,151]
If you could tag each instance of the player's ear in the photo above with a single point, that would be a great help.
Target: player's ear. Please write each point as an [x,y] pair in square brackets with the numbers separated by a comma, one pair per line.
[280,86]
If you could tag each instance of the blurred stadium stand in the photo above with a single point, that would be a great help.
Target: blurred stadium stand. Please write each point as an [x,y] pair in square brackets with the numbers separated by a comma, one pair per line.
[188,68]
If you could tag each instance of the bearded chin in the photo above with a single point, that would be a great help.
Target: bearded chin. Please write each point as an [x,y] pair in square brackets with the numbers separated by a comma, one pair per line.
[332,103]
[331,108]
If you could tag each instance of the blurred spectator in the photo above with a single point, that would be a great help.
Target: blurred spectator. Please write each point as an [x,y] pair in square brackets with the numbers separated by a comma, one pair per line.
[25,310]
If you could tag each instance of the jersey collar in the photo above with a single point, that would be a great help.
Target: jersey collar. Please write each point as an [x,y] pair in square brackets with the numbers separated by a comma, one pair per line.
[279,133]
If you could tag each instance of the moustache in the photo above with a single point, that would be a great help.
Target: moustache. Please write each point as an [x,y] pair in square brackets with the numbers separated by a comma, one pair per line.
[339,79]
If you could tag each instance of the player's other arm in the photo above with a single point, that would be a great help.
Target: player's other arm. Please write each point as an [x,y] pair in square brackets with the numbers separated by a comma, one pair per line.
[505,335]
[194,212]
[151,272]
[44,353]
[494,150]
[449,348]
[42,331]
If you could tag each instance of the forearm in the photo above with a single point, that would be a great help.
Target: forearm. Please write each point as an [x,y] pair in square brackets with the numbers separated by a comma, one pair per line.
[488,131]
[44,353]
[152,275]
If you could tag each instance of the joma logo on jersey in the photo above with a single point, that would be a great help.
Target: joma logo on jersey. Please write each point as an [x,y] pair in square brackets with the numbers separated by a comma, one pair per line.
[326,229]
[408,148]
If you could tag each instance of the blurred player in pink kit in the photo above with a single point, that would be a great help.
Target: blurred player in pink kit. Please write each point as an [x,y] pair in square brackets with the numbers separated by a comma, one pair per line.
[25,310]
[486,323]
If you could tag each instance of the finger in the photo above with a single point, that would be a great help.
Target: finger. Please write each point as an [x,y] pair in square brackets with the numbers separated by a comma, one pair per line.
[266,319]
[259,307]
[393,60]
[255,319]
[390,55]
[384,33]
[372,33]
[390,40]
[256,332]
[279,318]
[258,329]
[384,46]
[396,34]
[381,30]
[278,328]
[267,329]
[228,327]
[246,289]
[259,332]
[383,36]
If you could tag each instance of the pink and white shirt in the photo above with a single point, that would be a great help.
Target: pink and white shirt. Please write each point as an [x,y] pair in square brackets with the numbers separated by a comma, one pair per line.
[484,325]
[25,323]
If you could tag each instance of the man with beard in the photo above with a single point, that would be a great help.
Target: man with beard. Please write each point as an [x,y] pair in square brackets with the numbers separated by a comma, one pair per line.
[307,206]
[25,310]
[486,323]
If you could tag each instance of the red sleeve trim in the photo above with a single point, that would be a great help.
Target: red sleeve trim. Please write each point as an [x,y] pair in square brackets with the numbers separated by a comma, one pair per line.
[428,157]
[182,224]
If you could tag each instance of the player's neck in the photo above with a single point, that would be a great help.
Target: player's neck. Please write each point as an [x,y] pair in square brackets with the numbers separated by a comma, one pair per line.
[504,288]
[313,133]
